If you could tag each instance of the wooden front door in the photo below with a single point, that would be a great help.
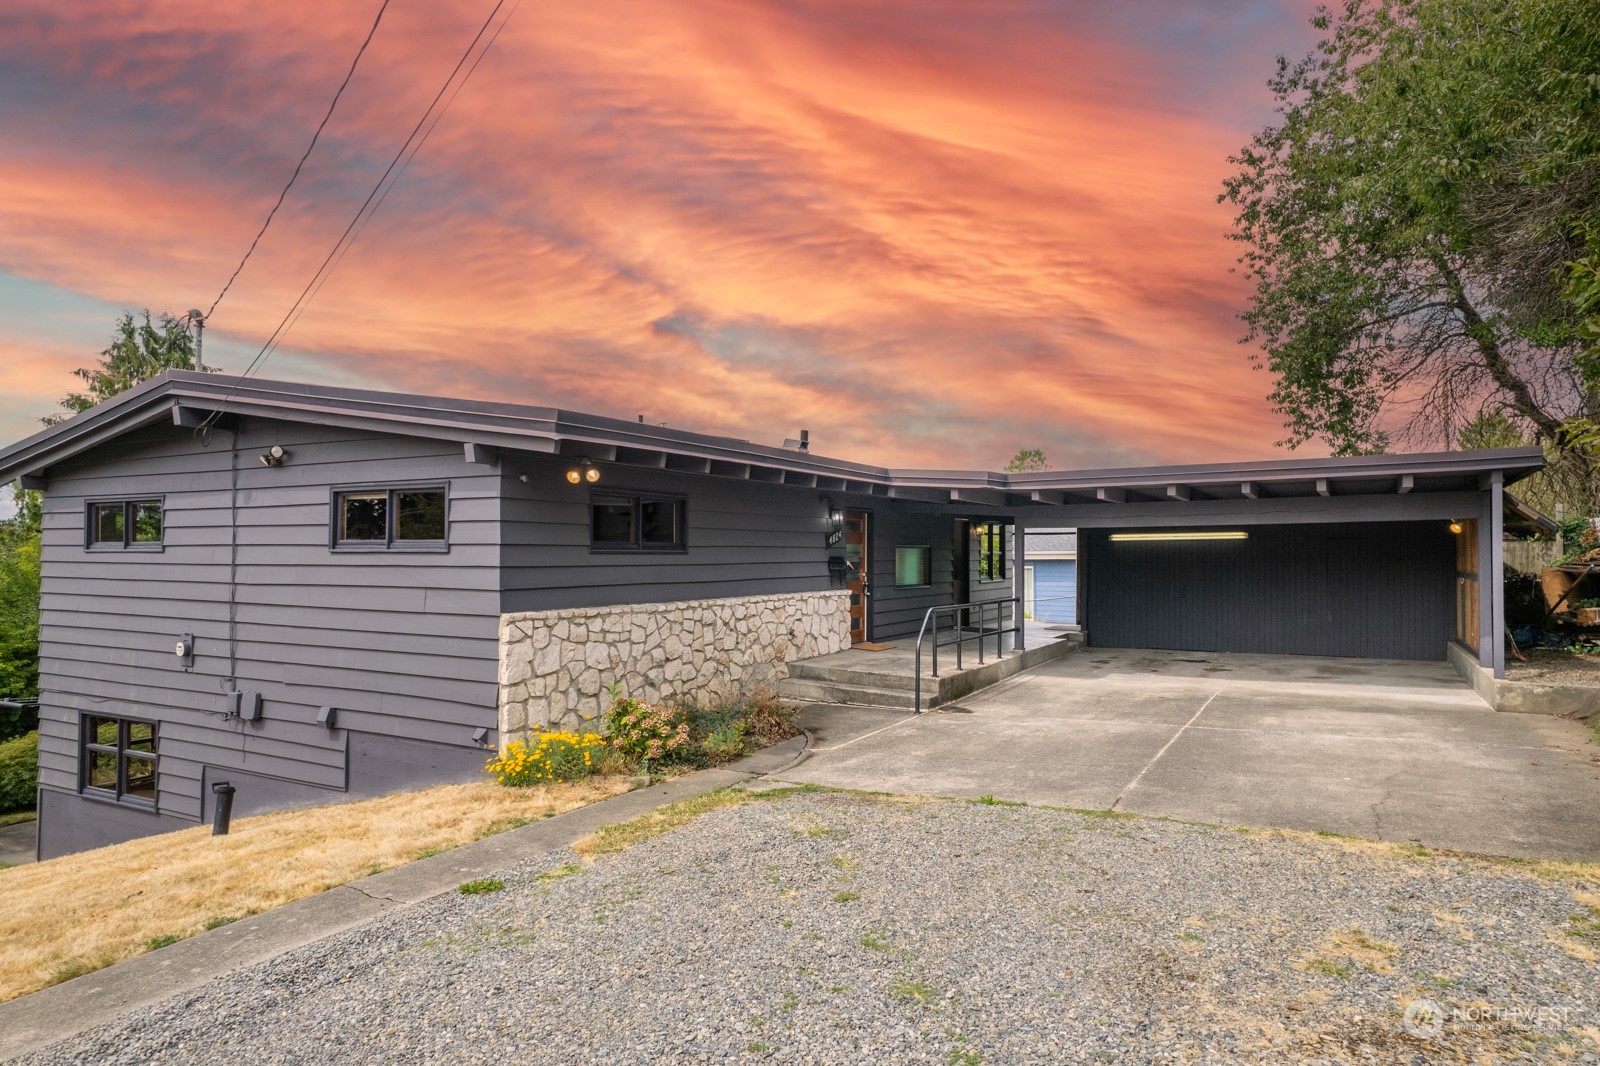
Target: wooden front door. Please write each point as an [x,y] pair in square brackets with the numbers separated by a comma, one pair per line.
[857,576]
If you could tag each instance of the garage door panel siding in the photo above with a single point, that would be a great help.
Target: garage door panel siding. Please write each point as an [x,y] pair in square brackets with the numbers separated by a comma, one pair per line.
[1380,590]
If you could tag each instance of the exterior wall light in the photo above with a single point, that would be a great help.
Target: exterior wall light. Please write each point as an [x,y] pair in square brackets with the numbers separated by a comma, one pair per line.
[1238,534]
[584,471]
[835,524]
[274,456]
[1455,527]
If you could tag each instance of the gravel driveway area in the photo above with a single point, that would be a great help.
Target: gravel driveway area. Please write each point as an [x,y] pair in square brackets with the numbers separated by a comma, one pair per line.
[846,928]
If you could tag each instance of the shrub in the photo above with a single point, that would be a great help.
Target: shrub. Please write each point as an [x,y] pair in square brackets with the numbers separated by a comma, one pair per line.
[547,759]
[768,718]
[19,773]
[646,731]
[726,743]
[725,731]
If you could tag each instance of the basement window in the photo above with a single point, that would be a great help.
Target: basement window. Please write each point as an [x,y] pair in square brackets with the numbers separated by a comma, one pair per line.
[620,522]
[119,759]
[125,524]
[391,518]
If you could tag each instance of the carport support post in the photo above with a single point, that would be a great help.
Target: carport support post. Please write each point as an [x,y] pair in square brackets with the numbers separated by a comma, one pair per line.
[1019,582]
[1491,576]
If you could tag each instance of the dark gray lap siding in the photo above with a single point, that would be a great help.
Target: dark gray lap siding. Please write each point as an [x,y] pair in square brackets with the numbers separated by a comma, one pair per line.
[897,612]
[404,643]
[743,539]
[1364,590]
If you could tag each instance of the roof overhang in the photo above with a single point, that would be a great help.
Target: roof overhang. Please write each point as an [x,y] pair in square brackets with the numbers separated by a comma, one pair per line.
[1523,522]
[484,428]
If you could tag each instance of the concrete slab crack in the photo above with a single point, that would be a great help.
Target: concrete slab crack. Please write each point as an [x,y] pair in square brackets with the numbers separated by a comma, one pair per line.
[1170,741]
[369,895]
[1377,814]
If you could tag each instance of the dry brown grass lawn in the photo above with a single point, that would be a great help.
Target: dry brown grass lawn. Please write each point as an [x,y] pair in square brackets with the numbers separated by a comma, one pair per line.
[75,914]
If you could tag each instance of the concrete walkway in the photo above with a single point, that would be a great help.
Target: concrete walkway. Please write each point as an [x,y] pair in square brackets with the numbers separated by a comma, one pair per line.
[1398,751]
[17,843]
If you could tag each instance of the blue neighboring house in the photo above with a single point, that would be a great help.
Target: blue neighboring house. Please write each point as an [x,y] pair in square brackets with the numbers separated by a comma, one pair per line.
[1050,575]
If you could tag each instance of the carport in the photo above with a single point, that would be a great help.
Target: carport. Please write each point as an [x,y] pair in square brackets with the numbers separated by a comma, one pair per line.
[1384,557]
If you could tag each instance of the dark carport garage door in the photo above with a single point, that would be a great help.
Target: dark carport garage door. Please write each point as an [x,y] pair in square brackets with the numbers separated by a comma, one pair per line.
[1381,590]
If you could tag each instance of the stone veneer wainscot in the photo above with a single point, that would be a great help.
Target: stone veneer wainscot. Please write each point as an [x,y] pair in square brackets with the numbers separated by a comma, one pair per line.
[555,665]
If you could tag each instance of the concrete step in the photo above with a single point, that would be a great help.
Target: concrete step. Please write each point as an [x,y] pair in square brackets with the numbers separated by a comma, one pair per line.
[811,670]
[826,683]
[815,691]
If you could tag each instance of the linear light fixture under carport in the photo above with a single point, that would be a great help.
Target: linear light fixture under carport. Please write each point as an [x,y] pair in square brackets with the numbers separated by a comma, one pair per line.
[1230,534]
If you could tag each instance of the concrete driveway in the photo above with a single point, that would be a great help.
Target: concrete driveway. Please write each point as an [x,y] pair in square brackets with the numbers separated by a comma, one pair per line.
[1399,751]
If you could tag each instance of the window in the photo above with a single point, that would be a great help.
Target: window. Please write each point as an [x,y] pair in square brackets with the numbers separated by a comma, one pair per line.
[631,522]
[119,759]
[390,518]
[135,524]
[912,566]
[991,551]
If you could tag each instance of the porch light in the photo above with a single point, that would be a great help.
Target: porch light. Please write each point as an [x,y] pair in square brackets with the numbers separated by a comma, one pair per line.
[835,523]
[584,471]
[1455,527]
[1237,534]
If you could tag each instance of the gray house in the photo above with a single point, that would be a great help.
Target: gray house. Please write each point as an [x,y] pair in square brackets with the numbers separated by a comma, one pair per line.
[313,593]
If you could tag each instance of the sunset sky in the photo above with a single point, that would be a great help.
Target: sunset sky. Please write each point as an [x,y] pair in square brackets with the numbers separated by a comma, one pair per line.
[932,233]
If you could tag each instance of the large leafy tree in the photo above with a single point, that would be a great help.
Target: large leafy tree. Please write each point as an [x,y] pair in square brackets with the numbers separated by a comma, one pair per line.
[1417,225]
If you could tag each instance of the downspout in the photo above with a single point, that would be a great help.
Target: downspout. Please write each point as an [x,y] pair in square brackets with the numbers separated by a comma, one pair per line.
[233,565]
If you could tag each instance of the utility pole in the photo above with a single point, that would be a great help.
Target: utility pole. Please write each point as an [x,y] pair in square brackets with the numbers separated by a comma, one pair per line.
[199,319]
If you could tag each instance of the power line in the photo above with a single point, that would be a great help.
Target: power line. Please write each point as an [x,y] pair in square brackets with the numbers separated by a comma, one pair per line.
[362,211]
[332,104]
[399,173]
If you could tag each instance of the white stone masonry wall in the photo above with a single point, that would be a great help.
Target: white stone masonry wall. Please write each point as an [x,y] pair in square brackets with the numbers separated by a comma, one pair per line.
[555,665]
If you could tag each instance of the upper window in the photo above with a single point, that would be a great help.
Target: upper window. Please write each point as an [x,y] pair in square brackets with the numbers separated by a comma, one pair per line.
[911,566]
[991,551]
[125,524]
[390,518]
[633,522]
[119,759]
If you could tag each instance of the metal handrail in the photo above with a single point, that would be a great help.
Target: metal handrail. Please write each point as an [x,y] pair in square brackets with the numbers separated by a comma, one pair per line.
[963,634]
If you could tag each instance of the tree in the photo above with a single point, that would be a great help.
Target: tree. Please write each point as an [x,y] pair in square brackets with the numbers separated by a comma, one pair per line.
[1028,460]
[1490,429]
[19,606]
[1417,224]
[137,353]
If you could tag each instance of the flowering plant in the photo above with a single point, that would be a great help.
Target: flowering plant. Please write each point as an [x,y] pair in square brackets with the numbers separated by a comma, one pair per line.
[547,759]
[645,731]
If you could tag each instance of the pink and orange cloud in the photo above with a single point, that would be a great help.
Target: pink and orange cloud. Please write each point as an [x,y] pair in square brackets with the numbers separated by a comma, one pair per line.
[933,233]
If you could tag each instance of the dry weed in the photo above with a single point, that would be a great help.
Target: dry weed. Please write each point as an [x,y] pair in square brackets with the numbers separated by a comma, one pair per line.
[75,914]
